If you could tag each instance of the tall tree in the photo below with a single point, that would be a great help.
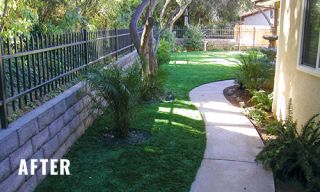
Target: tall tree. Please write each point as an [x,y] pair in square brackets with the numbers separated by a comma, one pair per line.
[144,44]
[207,12]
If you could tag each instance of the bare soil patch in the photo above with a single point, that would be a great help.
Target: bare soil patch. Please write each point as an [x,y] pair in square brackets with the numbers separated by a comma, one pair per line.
[135,136]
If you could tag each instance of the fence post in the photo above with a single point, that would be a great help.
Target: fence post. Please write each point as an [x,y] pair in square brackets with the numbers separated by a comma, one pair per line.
[86,50]
[239,38]
[3,107]
[116,42]
[254,37]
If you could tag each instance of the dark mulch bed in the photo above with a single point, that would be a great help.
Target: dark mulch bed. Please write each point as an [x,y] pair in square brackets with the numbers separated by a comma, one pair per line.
[241,98]
[237,96]
[135,136]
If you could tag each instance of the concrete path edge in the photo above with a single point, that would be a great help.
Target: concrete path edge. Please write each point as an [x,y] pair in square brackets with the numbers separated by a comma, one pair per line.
[232,144]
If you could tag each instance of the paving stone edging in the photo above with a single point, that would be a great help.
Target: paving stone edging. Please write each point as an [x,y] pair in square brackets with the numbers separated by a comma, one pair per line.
[47,132]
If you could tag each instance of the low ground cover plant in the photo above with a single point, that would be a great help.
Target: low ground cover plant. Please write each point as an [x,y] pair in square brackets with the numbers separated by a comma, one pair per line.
[258,116]
[294,154]
[262,105]
[262,100]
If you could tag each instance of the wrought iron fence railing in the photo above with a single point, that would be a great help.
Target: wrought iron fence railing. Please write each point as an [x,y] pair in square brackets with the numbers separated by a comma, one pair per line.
[32,67]
[209,32]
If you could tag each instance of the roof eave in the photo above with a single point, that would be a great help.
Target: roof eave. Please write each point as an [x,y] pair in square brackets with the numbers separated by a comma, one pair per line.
[265,3]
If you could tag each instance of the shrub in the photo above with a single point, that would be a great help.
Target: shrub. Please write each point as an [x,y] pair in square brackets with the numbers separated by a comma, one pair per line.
[262,100]
[120,87]
[193,38]
[152,86]
[179,48]
[164,52]
[294,155]
[270,54]
[170,38]
[255,71]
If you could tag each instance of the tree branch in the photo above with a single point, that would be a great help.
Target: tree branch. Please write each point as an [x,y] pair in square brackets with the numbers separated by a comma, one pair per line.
[177,16]
[163,11]
[164,28]
[265,16]
[4,14]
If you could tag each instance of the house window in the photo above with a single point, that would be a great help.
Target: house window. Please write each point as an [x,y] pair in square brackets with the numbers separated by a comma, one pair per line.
[311,32]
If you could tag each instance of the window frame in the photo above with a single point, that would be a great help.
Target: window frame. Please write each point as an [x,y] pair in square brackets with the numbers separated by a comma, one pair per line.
[300,66]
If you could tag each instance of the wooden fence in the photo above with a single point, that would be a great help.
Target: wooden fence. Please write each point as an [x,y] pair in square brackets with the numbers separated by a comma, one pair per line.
[34,66]
[249,36]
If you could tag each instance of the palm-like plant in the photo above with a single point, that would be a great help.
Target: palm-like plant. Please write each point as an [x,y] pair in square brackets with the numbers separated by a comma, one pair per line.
[120,87]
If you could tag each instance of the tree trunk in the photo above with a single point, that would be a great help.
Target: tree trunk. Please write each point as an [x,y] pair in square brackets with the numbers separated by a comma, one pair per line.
[152,56]
[144,45]
[146,49]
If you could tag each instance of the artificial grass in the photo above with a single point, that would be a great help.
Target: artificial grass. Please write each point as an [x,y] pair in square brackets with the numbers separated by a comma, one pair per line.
[170,159]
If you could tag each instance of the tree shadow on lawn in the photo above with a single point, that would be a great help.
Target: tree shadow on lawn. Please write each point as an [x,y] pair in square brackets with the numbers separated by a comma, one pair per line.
[166,162]
[197,55]
[183,78]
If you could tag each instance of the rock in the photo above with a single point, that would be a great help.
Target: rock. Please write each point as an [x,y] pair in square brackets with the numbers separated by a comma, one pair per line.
[169,97]
[230,92]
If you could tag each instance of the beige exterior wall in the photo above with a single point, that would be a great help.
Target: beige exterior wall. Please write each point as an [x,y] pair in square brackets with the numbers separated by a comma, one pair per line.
[303,88]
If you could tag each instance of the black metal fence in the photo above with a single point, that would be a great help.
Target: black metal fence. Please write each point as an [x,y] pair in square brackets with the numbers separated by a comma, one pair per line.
[32,67]
[208,32]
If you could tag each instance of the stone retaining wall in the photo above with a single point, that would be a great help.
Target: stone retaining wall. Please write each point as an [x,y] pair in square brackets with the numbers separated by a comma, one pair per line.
[47,132]
[214,44]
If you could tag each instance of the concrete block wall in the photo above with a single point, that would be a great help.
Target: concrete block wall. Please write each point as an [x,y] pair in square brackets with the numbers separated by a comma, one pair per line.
[128,59]
[47,132]
[213,44]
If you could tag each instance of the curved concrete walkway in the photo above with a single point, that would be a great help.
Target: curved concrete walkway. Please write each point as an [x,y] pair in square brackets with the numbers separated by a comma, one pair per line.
[232,143]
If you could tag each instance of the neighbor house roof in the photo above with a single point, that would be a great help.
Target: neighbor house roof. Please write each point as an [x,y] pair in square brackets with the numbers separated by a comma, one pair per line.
[265,3]
[252,12]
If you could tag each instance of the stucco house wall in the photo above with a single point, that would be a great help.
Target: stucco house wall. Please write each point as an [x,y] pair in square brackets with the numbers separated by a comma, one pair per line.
[291,82]
[257,19]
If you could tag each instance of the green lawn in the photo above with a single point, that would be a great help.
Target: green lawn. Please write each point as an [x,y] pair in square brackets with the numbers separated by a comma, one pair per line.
[170,159]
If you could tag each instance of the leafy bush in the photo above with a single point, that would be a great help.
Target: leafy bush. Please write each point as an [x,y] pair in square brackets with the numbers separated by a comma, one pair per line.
[170,38]
[193,38]
[262,100]
[164,52]
[293,154]
[120,87]
[270,54]
[255,71]
[179,48]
